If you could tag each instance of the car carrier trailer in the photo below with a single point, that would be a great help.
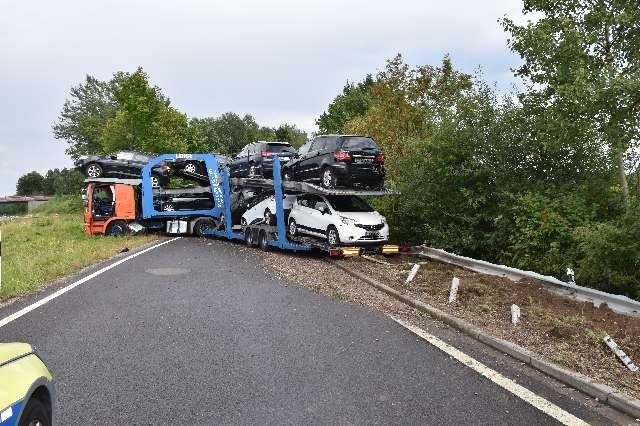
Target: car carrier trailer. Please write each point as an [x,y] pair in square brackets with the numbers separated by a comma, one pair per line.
[136,209]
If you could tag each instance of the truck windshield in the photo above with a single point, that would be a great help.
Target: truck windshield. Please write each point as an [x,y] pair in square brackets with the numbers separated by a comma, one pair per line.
[359,143]
[346,203]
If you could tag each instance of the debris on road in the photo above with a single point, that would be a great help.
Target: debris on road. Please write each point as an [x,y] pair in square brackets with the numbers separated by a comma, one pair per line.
[620,353]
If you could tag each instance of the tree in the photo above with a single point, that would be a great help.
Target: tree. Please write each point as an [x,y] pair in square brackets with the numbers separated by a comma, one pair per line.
[123,113]
[581,59]
[145,120]
[290,133]
[354,101]
[30,184]
[228,133]
[84,115]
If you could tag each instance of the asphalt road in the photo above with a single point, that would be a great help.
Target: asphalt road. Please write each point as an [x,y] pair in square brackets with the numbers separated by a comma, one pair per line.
[191,333]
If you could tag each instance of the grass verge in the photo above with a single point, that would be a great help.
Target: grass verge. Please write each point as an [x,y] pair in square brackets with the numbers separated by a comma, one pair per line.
[42,248]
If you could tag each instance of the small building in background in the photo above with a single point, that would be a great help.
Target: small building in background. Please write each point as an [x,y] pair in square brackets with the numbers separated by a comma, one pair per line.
[18,204]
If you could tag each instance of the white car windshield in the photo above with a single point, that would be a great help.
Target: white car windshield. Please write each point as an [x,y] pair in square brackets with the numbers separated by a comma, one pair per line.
[345,203]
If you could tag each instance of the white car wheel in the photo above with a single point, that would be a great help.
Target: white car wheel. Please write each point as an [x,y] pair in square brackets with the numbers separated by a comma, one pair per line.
[94,170]
[190,168]
[333,238]
[293,228]
[169,207]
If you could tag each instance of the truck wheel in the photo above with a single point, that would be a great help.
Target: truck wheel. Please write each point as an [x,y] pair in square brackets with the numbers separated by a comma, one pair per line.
[93,170]
[35,413]
[263,242]
[202,226]
[117,228]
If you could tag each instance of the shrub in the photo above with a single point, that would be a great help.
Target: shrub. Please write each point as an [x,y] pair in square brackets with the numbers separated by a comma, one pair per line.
[610,255]
[539,232]
[63,204]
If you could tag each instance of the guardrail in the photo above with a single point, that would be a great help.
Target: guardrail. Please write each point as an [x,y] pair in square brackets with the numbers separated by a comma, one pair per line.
[617,303]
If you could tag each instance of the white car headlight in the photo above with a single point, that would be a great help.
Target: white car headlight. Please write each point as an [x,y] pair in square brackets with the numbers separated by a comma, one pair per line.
[347,220]
[384,219]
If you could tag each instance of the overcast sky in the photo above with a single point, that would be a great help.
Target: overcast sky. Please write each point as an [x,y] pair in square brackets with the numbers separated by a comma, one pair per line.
[282,61]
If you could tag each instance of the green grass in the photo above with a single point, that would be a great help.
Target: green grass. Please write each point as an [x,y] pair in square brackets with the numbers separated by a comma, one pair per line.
[39,249]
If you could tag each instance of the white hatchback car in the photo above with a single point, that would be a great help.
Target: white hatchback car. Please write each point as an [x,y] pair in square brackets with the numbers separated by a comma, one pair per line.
[265,210]
[340,219]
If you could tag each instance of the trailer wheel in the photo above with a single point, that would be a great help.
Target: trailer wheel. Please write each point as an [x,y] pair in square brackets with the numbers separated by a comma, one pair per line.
[248,237]
[117,228]
[263,242]
[201,227]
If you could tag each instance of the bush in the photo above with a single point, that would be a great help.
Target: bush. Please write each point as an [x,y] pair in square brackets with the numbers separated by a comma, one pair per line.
[63,204]
[539,232]
[610,255]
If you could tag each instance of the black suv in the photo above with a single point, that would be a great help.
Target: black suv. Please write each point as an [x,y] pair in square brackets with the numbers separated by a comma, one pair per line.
[339,160]
[257,158]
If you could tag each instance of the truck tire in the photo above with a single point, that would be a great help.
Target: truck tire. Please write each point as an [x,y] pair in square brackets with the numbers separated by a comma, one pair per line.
[263,241]
[293,228]
[201,227]
[117,228]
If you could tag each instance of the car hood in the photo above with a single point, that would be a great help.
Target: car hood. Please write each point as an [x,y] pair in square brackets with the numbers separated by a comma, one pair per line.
[369,218]
[9,351]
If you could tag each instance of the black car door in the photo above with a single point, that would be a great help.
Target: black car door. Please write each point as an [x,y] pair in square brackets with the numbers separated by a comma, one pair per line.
[307,162]
[315,158]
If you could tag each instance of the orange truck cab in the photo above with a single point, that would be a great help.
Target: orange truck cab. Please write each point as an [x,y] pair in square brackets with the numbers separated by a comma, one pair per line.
[109,207]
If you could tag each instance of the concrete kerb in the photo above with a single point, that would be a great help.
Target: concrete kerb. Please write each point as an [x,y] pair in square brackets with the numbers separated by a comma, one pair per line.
[603,393]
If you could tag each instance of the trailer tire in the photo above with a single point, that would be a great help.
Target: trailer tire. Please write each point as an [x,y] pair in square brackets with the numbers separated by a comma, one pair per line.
[201,227]
[263,242]
[248,237]
[117,228]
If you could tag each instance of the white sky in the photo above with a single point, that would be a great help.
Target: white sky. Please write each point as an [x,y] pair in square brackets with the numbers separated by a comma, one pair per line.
[281,61]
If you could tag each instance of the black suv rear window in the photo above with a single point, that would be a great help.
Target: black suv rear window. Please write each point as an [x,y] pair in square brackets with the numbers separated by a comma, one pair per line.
[359,143]
[347,203]
[271,147]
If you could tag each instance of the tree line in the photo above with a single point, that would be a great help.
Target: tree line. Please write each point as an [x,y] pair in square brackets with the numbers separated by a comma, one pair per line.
[544,178]
[128,113]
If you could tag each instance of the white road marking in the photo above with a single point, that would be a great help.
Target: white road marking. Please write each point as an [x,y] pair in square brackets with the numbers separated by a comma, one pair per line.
[36,305]
[521,392]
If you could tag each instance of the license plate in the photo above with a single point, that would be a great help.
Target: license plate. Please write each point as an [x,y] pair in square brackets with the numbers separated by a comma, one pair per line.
[363,160]
[372,234]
